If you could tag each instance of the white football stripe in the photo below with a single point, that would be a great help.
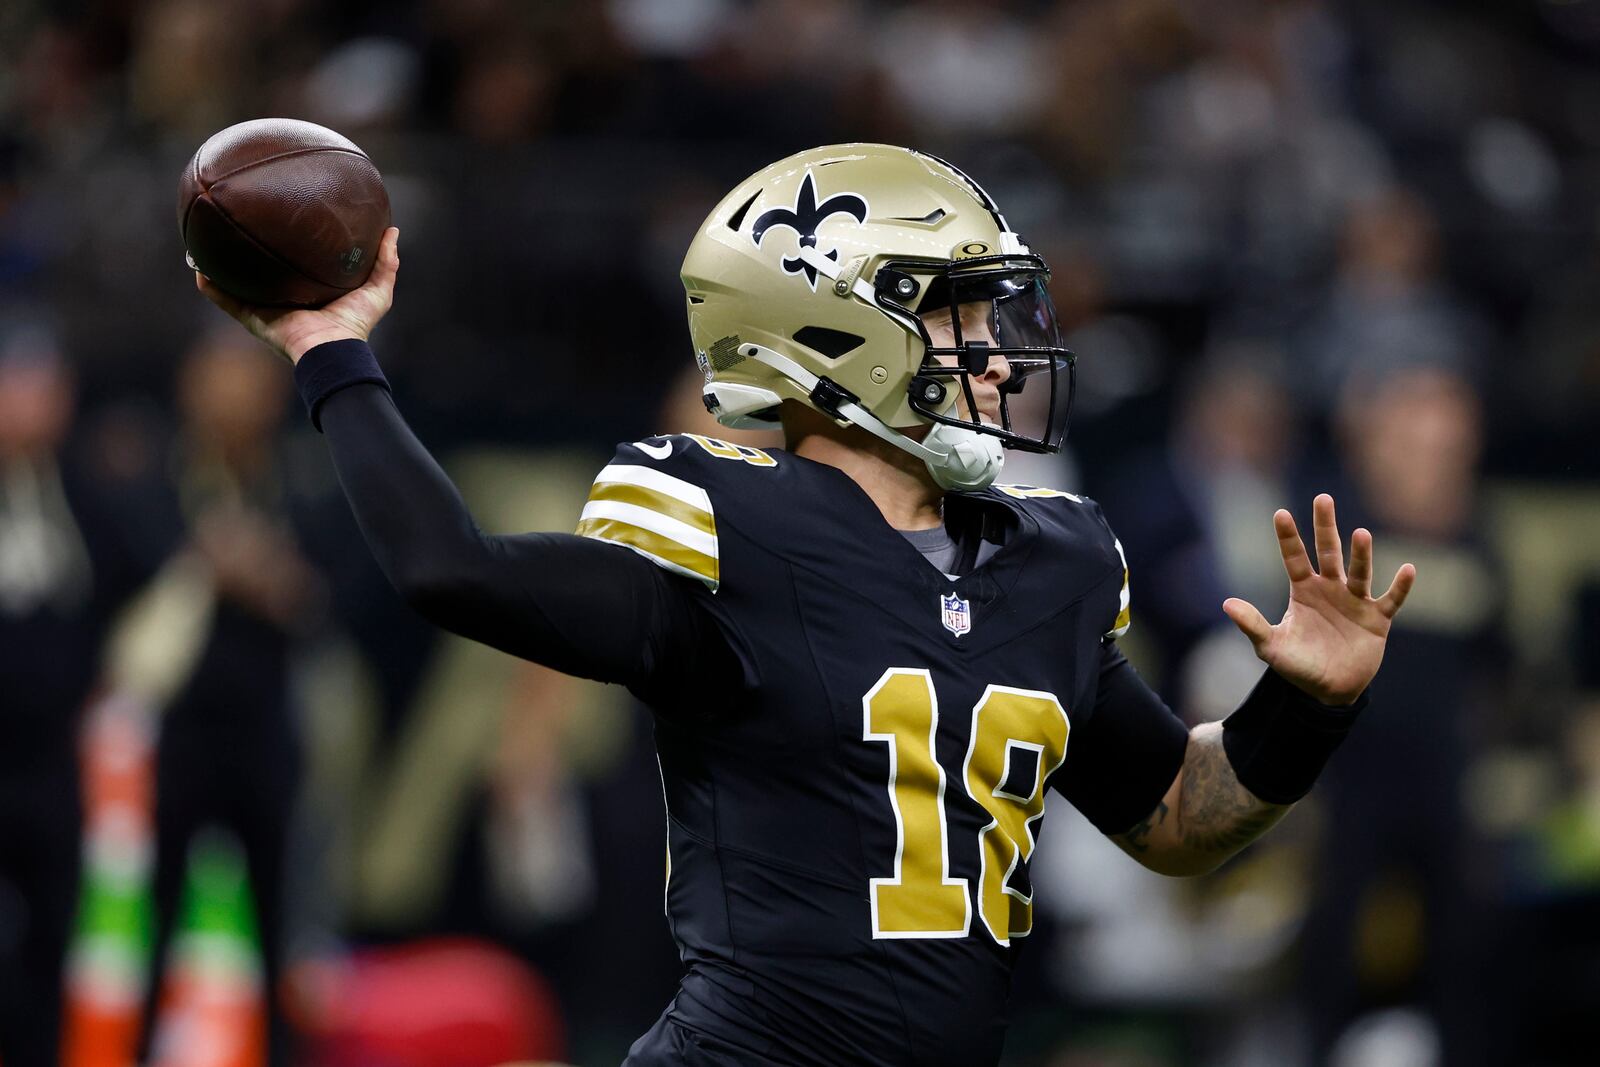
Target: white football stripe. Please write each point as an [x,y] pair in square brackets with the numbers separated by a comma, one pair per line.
[657,523]
[661,482]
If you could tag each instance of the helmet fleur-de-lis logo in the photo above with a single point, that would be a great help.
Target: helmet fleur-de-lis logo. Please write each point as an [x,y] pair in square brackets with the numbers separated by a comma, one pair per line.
[806,216]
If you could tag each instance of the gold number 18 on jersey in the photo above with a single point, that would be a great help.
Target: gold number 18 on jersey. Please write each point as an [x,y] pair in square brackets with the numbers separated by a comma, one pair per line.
[1019,736]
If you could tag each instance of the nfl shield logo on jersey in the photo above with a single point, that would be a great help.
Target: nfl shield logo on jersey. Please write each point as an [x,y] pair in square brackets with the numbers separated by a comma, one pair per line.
[956,614]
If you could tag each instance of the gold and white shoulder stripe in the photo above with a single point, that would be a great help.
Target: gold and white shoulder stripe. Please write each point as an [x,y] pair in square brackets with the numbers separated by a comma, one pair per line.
[667,520]
[1120,627]
[1024,492]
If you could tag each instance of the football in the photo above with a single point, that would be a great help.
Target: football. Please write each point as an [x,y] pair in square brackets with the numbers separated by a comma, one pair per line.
[282,212]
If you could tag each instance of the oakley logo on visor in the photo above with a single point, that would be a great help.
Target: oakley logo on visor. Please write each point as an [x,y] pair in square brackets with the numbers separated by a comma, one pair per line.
[805,218]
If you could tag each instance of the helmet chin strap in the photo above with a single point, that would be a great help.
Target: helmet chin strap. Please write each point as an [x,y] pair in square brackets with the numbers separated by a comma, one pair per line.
[972,460]
[957,458]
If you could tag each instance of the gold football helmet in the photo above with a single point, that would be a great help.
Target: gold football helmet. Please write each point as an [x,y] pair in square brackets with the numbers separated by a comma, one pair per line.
[810,282]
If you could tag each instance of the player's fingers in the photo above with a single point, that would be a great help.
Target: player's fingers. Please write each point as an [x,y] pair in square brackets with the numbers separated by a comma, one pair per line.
[1360,581]
[1250,622]
[1295,560]
[1399,589]
[1325,525]
[388,265]
[379,287]
[211,292]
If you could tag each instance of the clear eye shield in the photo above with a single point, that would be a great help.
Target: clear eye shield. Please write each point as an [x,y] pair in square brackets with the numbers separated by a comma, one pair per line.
[969,312]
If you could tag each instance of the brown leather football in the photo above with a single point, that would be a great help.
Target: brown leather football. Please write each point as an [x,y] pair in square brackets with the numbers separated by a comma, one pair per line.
[282,212]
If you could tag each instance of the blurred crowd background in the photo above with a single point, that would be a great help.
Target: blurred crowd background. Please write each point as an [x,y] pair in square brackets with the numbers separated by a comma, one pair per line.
[253,811]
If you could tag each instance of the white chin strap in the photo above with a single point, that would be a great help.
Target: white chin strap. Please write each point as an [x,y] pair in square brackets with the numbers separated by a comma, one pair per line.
[972,460]
[958,458]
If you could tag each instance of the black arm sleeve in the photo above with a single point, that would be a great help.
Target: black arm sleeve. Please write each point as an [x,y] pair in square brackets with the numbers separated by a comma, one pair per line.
[571,603]
[1122,761]
[1280,738]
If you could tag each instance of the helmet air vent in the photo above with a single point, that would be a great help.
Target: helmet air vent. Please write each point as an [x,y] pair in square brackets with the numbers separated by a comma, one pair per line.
[736,220]
[927,220]
[830,343]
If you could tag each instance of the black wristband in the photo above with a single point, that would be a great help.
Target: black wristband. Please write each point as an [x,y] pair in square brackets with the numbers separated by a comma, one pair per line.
[332,366]
[1279,739]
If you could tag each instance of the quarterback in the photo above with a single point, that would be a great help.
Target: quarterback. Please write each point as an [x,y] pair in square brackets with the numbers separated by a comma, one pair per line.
[870,661]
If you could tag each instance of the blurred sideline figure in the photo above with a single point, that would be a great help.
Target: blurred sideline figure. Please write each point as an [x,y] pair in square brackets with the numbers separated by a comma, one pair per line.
[1395,917]
[1389,307]
[228,754]
[71,518]
[1233,453]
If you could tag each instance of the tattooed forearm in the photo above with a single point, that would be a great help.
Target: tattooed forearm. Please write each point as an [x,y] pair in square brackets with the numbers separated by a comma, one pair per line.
[1212,816]
[1216,815]
[1138,839]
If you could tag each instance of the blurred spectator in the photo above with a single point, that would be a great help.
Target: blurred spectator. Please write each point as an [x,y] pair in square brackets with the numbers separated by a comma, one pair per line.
[192,66]
[18,257]
[1395,917]
[1158,518]
[1388,307]
[1550,389]
[1236,445]
[1233,454]
[228,754]
[506,92]
[70,554]
[364,84]
[963,69]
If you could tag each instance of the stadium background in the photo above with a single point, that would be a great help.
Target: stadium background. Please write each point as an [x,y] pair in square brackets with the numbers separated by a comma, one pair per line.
[1299,245]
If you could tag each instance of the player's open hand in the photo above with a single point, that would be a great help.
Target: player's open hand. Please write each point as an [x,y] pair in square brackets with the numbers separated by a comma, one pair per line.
[1331,639]
[293,332]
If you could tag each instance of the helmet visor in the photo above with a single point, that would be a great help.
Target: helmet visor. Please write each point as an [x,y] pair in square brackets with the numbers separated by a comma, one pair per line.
[994,342]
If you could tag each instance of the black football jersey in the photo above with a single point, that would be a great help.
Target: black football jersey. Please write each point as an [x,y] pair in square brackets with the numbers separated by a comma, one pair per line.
[852,813]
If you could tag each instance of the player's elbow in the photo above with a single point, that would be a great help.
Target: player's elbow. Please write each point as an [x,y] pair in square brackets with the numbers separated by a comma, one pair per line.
[440,575]
[425,592]
[1172,856]
[439,593]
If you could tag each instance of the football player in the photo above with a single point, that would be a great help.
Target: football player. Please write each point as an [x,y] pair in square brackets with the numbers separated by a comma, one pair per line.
[869,661]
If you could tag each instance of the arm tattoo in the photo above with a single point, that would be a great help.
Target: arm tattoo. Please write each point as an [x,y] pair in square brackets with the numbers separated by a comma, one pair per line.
[1215,813]
[1138,839]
